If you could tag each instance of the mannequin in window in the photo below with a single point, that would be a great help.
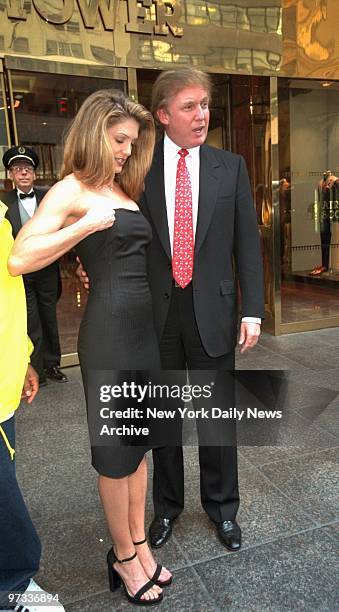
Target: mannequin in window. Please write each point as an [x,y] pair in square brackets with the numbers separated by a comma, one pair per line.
[325,186]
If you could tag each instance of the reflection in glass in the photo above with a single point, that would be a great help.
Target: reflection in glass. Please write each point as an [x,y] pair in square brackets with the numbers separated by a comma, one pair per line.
[251,137]
[255,19]
[44,107]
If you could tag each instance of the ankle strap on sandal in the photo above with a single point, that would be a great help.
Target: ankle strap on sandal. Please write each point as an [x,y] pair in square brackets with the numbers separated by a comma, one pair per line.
[140,542]
[127,559]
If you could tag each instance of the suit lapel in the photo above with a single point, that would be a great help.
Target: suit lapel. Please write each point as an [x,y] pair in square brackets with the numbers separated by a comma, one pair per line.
[155,194]
[13,214]
[39,194]
[210,172]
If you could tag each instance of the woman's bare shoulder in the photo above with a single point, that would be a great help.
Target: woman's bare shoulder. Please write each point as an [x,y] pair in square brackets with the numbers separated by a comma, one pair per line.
[69,185]
[64,196]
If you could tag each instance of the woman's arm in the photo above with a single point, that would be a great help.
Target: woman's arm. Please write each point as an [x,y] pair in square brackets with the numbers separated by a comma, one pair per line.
[65,216]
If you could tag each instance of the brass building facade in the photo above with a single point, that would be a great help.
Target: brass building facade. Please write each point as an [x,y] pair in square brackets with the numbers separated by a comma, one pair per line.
[275,68]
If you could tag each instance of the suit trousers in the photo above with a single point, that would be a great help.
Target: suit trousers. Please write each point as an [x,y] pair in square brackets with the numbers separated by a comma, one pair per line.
[181,348]
[42,293]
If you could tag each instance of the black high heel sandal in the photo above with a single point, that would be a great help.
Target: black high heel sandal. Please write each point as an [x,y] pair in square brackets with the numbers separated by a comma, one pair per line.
[158,569]
[115,581]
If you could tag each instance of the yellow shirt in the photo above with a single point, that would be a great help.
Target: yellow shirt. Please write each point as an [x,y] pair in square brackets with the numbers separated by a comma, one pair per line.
[14,348]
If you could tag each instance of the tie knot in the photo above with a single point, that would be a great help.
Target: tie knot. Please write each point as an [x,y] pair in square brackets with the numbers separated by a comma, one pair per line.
[183,153]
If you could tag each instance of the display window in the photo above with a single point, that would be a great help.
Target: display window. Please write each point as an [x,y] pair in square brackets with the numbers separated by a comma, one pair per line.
[308,116]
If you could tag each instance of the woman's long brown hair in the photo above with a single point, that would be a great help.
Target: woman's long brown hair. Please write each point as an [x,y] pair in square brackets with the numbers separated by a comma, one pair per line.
[88,152]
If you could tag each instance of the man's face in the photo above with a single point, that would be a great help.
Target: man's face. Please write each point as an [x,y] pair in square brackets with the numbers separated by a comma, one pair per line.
[23,175]
[186,117]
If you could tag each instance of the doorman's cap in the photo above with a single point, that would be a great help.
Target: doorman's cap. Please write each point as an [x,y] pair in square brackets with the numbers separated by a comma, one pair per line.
[18,154]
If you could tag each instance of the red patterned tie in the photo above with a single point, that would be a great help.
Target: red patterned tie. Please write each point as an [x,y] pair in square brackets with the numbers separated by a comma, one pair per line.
[183,241]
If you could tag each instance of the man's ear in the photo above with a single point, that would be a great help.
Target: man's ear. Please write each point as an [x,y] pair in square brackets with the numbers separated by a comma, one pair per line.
[163,116]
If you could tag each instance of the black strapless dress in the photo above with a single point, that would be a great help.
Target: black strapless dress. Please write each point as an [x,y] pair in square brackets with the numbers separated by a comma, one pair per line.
[117,330]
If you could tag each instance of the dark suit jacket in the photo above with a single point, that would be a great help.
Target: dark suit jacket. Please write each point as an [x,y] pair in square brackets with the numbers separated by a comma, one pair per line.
[226,231]
[10,198]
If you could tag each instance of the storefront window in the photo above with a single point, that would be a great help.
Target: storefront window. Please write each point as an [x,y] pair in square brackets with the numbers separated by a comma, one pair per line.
[309,209]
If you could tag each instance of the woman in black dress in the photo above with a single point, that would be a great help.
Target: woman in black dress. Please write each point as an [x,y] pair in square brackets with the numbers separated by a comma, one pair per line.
[108,152]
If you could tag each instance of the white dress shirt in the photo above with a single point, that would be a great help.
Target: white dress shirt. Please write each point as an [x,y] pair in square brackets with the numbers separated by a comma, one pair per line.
[171,159]
[29,204]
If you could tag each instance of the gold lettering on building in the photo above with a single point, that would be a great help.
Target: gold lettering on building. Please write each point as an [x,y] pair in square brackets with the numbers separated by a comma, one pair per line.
[168,20]
[107,10]
[57,18]
[167,14]
[89,10]
[137,17]
[167,17]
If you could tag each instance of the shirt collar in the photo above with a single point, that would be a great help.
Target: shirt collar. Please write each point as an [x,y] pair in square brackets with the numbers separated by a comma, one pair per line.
[19,191]
[171,149]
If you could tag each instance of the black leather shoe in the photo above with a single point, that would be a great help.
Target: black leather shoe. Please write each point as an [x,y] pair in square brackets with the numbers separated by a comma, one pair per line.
[55,373]
[160,531]
[229,534]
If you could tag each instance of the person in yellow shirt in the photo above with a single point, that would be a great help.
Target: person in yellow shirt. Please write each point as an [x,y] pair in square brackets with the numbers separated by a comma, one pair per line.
[20,547]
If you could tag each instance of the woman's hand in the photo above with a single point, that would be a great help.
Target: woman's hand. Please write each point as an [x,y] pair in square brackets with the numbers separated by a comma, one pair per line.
[100,213]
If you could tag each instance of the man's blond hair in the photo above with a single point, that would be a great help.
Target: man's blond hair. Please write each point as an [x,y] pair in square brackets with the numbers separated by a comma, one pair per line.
[170,82]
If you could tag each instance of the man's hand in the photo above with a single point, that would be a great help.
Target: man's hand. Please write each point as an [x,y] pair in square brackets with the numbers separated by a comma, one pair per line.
[31,385]
[249,335]
[82,275]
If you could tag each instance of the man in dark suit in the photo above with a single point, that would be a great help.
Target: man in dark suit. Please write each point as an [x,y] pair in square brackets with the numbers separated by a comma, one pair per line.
[199,203]
[42,288]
